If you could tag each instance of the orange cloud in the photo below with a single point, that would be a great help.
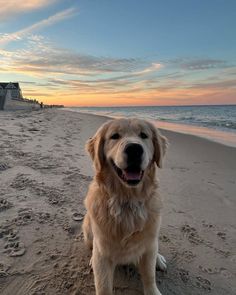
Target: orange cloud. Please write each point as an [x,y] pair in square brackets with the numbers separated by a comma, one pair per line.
[13,7]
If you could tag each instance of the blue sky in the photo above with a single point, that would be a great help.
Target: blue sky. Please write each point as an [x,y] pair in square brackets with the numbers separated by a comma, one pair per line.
[113,52]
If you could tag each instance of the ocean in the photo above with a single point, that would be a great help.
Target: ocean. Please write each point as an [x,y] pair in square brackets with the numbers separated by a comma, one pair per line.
[216,123]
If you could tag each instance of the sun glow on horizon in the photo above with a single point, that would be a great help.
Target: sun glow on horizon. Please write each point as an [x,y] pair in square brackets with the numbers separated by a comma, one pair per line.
[142,99]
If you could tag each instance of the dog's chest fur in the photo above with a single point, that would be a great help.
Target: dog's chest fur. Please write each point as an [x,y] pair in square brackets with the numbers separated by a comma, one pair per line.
[123,218]
[128,217]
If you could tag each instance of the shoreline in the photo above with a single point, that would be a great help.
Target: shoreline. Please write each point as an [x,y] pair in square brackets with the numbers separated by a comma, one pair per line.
[225,137]
[45,173]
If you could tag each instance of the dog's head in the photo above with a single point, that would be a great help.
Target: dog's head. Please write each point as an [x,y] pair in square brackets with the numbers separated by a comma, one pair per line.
[127,147]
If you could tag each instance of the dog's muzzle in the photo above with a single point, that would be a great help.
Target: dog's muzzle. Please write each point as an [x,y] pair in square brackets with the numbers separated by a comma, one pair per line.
[132,174]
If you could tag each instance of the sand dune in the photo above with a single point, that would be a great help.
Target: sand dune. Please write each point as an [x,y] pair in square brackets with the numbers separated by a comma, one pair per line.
[44,175]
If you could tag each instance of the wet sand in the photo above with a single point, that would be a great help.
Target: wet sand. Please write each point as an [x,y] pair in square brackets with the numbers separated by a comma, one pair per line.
[44,176]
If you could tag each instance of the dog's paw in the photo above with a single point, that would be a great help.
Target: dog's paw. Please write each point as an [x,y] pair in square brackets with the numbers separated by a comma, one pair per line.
[161,262]
[152,291]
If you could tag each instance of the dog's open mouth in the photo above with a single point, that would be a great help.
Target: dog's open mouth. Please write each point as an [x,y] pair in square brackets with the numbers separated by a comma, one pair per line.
[132,175]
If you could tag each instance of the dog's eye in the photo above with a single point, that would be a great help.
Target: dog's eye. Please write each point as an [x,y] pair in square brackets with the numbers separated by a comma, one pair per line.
[143,135]
[115,136]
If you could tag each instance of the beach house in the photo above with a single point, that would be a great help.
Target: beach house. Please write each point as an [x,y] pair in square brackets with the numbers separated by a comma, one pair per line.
[11,97]
[9,91]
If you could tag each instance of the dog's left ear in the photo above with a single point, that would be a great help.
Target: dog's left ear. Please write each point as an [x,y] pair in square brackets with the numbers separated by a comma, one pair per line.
[95,147]
[160,144]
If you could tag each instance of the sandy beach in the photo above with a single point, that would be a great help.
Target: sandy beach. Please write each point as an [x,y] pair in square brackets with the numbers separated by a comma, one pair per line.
[44,176]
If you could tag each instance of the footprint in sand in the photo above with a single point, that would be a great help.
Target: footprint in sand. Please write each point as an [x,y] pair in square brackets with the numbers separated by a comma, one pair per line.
[5,230]
[221,235]
[56,145]
[210,270]
[164,239]
[182,169]
[207,225]
[184,275]
[33,129]
[203,283]
[21,182]
[14,249]
[77,216]
[4,204]
[4,270]
[12,236]
[3,167]
[43,163]
[25,216]
[54,196]
[188,255]
[191,234]
[224,252]
[215,184]
[43,217]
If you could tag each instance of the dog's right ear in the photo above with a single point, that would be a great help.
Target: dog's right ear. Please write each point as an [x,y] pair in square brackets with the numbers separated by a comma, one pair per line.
[95,147]
[160,144]
[90,147]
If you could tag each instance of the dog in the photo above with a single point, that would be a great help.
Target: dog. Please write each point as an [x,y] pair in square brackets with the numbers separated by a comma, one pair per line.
[123,216]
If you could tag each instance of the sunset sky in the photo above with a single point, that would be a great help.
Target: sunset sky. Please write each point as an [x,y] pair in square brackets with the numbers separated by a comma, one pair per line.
[120,52]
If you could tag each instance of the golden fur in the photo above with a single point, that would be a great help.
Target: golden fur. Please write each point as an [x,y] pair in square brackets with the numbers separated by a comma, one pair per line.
[122,222]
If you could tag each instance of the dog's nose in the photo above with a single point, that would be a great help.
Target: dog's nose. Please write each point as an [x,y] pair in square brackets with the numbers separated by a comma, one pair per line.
[134,151]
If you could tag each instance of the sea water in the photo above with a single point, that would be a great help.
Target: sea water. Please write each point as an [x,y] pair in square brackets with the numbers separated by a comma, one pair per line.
[213,122]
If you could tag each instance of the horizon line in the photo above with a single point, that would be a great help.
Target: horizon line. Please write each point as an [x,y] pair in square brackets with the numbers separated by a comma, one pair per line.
[140,106]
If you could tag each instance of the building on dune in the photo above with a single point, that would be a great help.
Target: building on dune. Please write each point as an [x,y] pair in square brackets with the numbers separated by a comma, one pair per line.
[11,97]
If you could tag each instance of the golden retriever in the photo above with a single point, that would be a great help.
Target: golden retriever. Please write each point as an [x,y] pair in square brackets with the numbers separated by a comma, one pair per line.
[123,205]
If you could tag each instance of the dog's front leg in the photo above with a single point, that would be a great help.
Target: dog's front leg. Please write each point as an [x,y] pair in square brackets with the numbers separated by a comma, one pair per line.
[103,269]
[147,269]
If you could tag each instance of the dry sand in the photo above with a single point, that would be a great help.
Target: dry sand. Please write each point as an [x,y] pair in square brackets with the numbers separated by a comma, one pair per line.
[44,175]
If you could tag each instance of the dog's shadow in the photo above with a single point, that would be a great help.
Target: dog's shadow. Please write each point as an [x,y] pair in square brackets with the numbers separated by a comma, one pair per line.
[128,281]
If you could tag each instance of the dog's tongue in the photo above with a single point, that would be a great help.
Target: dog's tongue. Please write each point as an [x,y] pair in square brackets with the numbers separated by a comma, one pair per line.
[132,175]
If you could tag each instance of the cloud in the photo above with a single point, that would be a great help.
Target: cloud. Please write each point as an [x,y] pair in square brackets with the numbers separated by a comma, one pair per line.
[60,71]
[65,74]
[28,82]
[198,64]
[51,20]
[59,62]
[216,85]
[41,57]
[11,8]
[31,93]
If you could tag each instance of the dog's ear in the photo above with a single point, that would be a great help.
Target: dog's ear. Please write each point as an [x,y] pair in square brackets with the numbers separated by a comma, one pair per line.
[160,144]
[95,147]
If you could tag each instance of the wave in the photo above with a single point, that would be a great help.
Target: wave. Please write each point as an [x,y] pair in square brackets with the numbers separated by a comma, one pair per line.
[226,124]
[216,117]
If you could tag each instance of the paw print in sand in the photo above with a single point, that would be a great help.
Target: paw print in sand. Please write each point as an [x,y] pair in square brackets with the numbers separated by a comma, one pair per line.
[14,249]
[4,205]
